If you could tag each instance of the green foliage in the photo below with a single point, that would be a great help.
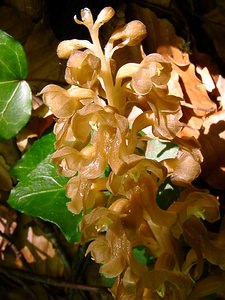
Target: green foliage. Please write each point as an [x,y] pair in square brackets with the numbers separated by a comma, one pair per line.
[40,191]
[159,150]
[167,194]
[108,281]
[142,255]
[15,93]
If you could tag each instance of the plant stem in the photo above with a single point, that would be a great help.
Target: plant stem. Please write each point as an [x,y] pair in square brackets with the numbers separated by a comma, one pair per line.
[106,73]
[13,247]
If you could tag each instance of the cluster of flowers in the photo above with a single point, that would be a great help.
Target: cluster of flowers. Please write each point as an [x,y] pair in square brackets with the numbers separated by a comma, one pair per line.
[105,120]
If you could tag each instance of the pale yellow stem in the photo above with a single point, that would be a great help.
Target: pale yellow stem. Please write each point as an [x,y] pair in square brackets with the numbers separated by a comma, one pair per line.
[106,73]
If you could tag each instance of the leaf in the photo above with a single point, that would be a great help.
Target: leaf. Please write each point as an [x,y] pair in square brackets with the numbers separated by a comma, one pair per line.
[7,226]
[212,140]
[108,281]
[175,49]
[167,194]
[142,255]
[41,54]
[195,91]
[38,248]
[15,93]
[40,191]
[159,150]
[214,22]
[5,180]
[36,154]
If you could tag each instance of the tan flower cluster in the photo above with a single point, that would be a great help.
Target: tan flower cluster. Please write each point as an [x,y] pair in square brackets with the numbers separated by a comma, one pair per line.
[105,119]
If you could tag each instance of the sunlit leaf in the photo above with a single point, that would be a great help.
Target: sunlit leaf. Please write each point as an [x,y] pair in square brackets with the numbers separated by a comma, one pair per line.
[159,150]
[15,93]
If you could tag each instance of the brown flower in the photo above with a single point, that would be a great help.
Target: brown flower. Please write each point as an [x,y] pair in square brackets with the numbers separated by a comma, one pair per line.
[102,146]
[64,103]
[82,69]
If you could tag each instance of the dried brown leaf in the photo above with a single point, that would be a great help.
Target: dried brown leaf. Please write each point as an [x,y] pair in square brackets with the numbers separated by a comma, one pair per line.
[163,39]
[7,226]
[38,249]
[214,24]
[8,157]
[14,23]
[195,91]
[206,78]
[34,129]
[43,62]
[5,179]
[212,140]
[32,8]
[220,84]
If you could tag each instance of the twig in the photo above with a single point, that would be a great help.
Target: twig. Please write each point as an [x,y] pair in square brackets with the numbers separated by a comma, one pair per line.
[78,268]
[189,105]
[17,253]
[17,280]
[51,235]
[22,274]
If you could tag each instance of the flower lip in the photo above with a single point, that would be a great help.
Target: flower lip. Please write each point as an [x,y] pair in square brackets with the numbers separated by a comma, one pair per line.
[82,69]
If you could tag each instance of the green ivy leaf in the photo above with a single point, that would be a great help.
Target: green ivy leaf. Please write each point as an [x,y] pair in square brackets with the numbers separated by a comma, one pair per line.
[41,191]
[15,93]
[34,155]
[159,150]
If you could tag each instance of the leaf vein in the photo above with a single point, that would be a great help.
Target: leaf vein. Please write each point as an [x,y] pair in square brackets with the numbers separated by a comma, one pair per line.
[49,178]
[8,102]
[39,193]
[7,68]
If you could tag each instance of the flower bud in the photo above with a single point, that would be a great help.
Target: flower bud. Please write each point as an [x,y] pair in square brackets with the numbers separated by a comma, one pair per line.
[105,15]
[86,17]
[133,33]
[65,48]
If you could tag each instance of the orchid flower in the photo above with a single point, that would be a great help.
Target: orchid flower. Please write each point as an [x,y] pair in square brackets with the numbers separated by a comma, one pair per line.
[96,131]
